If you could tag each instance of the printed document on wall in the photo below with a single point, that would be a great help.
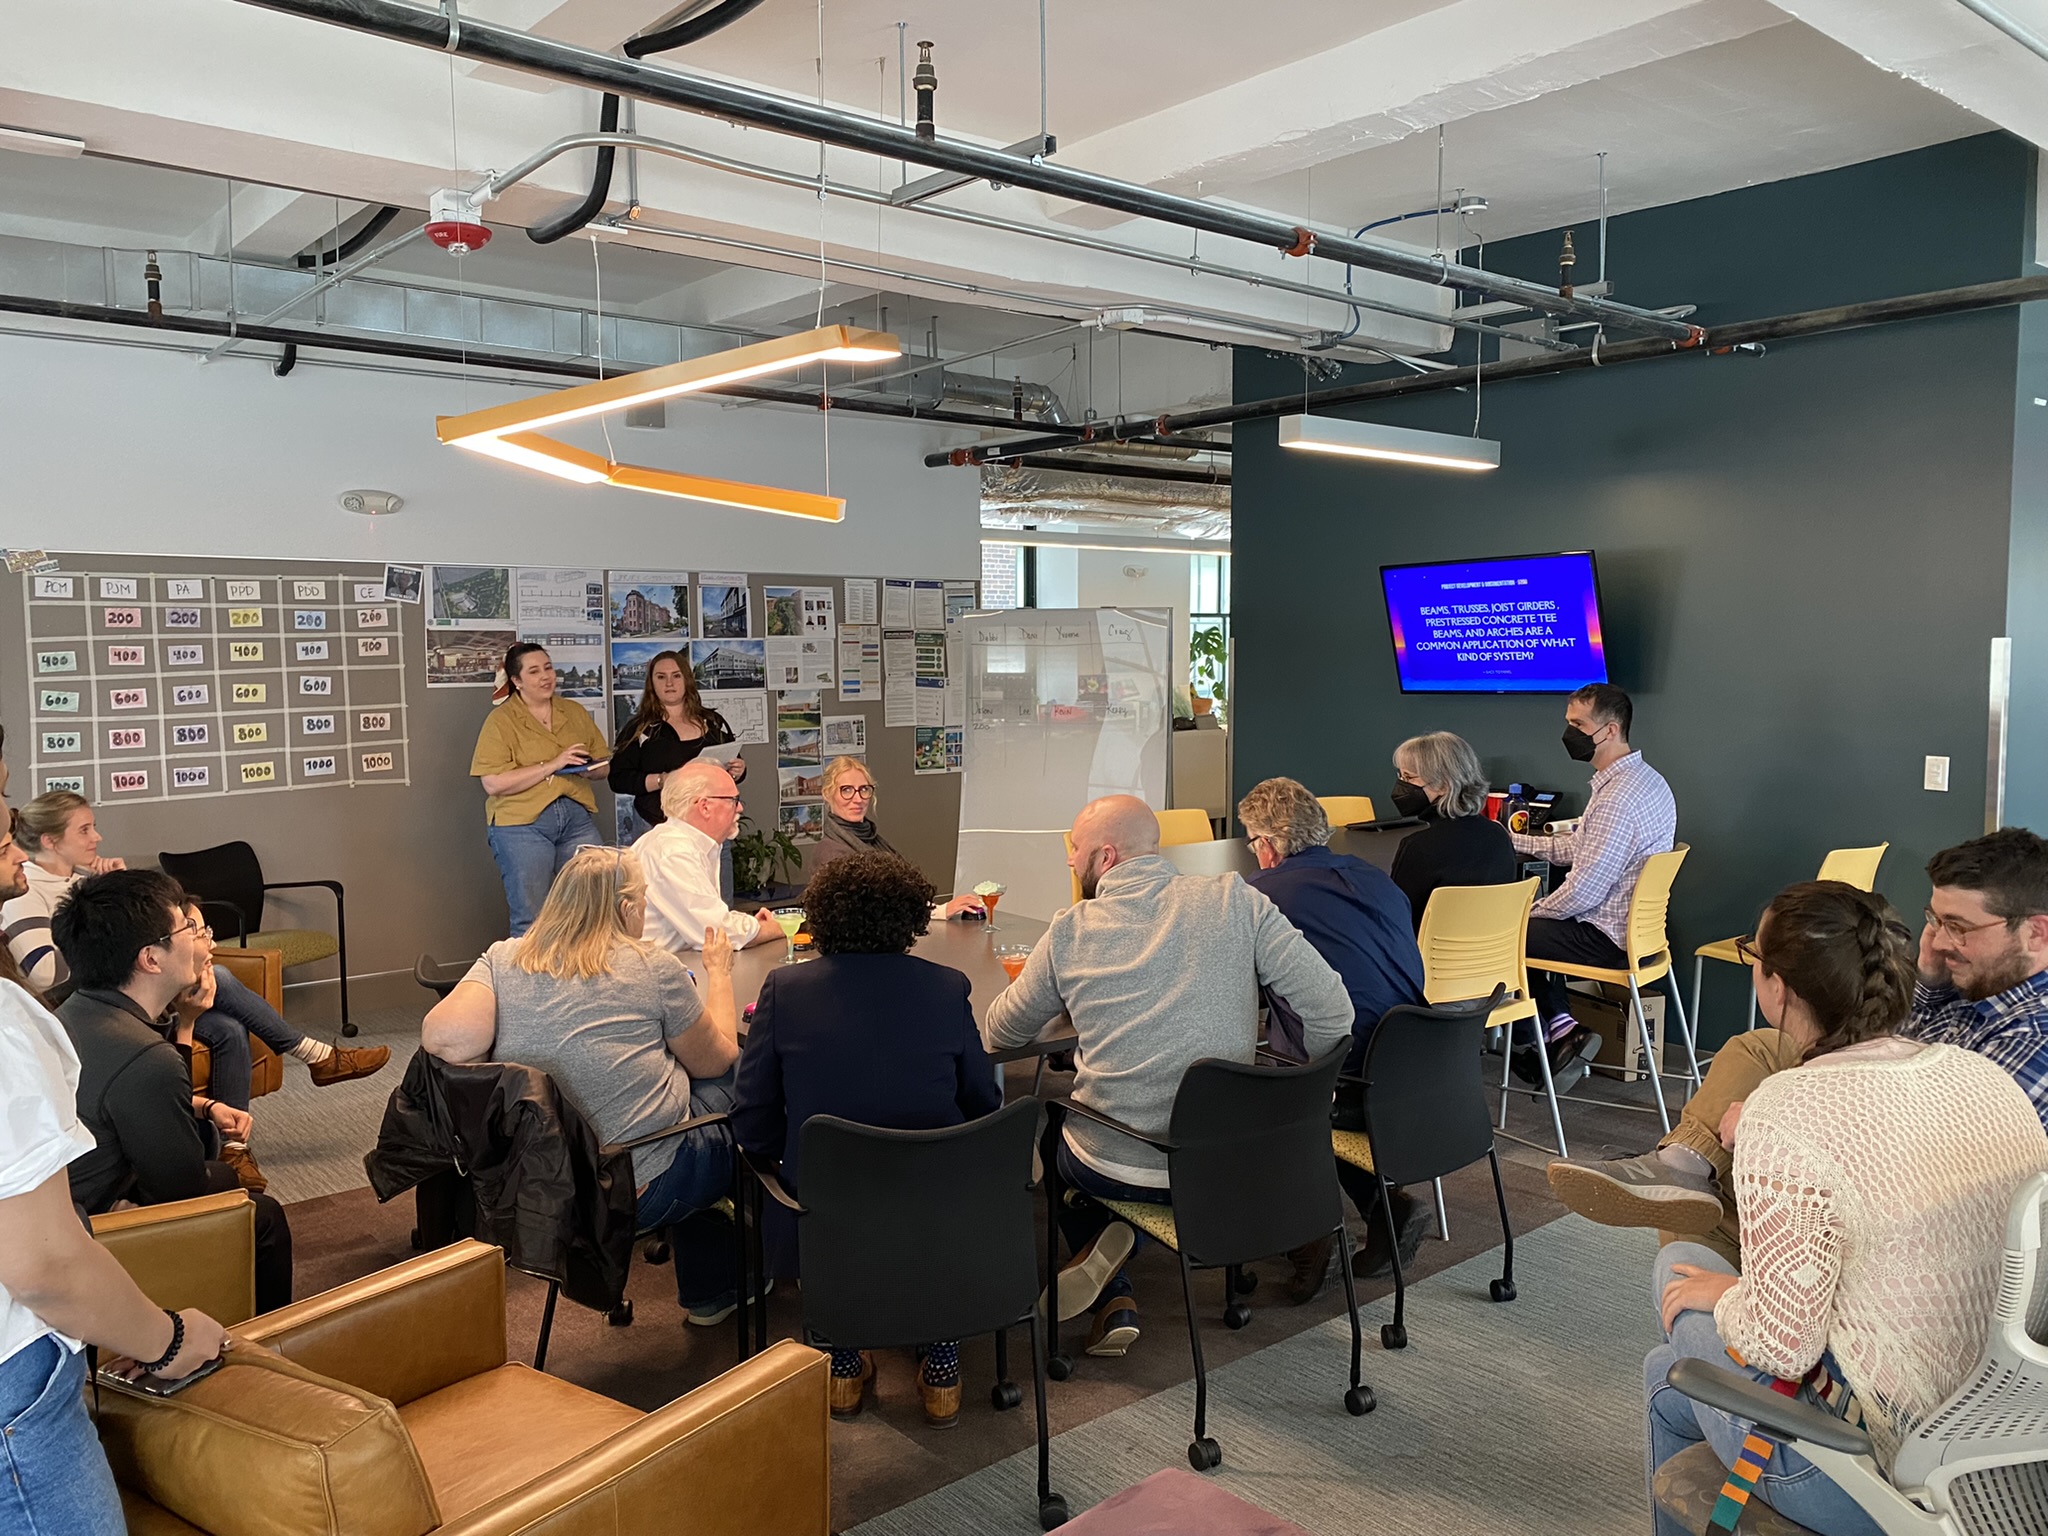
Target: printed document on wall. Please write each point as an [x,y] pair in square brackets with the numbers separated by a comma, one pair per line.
[899,677]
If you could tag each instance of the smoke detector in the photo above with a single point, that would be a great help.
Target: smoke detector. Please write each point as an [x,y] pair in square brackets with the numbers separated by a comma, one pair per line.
[370,503]
[455,223]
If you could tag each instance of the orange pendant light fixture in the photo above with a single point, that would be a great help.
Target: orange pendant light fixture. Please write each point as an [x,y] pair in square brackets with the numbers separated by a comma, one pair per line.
[513,432]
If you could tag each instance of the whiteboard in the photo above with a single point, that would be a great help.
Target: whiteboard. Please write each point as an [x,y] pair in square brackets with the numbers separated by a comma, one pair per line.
[1063,706]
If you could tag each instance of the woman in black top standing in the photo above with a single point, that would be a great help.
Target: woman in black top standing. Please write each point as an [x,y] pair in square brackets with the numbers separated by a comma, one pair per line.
[1441,781]
[670,728]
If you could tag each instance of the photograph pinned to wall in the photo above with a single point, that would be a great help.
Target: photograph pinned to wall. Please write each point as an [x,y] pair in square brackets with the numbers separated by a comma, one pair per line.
[784,611]
[798,709]
[801,783]
[30,560]
[746,715]
[960,600]
[624,707]
[649,605]
[558,598]
[803,821]
[721,665]
[798,748]
[578,659]
[846,735]
[467,658]
[928,753]
[723,608]
[956,748]
[469,597]
[403,583]
[630,660]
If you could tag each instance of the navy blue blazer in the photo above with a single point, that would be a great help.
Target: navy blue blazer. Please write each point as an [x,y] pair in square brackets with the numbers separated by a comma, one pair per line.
[884,1040]
[1357,920]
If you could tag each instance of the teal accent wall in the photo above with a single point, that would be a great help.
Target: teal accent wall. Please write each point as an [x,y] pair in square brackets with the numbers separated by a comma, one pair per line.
[1804,556]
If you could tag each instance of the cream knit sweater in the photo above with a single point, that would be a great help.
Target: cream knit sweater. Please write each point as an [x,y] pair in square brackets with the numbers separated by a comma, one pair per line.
[1872,1186]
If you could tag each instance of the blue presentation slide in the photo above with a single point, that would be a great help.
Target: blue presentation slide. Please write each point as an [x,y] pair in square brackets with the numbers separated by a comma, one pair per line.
[1524,625]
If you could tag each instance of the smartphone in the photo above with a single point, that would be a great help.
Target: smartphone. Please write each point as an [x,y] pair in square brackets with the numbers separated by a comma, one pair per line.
[586,768]
[158,1386]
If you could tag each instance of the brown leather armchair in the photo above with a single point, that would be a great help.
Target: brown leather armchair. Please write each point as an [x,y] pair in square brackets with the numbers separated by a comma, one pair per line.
[386,1407]
[189,1253]
[262,972]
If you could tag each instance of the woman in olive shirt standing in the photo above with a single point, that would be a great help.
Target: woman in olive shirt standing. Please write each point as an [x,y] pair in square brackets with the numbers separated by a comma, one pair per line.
[535,754]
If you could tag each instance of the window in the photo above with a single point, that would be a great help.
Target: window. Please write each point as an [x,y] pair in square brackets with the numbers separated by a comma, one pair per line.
[1208,609]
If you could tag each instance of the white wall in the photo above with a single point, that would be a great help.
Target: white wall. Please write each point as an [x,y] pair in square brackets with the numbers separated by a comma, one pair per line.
[1162,583]
[124,449]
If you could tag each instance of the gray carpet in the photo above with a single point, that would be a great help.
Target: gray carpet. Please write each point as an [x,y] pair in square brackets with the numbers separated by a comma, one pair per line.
[1503,1419]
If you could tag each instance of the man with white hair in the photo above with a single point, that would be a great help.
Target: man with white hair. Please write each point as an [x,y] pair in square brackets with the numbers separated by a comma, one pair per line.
[1157,970]
[681,858]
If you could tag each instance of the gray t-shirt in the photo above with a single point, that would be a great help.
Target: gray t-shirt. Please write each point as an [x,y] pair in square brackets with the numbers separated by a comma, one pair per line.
[602,1039]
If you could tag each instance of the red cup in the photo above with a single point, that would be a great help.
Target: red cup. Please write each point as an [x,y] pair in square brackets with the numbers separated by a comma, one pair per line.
[1495,799]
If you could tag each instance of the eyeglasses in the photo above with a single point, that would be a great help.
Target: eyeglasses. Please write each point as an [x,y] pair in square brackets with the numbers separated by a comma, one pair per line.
[1958,930]
[188,926]
[1255,839]
[1746,950]
[735,799]
[855,791]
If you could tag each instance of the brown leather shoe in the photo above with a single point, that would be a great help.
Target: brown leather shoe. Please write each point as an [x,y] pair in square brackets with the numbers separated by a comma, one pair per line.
[1311,1269]
[237,1157]
[941,1404]
[1116,1327]
[348,1063]
[849,1393]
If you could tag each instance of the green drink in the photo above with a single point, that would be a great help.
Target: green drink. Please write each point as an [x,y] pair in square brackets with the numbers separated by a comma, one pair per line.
[790,920]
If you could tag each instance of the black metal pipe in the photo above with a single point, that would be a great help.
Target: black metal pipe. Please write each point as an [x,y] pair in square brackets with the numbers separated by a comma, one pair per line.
[1719,340]
[1122,469]
[494,44]
[288,360]
[569,220]
[376,226]
[460,357]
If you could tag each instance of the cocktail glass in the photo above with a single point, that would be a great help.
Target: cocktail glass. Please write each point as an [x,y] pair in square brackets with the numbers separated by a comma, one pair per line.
[790,920]
[990,892]
[1012,957]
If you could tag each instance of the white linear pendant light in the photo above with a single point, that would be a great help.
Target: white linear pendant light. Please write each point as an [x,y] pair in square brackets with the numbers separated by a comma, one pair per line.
[1401,445]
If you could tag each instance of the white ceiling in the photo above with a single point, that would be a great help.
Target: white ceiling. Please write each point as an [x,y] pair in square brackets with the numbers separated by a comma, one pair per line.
[1320,110]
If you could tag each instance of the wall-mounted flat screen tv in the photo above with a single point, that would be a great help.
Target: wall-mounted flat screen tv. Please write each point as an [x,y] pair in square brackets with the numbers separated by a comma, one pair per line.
[1527,624]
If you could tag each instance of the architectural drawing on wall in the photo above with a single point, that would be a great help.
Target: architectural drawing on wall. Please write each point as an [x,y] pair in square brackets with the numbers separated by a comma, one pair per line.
[723,664]
[722,607]
[152,687]
[469,597]
[649,605]
[466,658]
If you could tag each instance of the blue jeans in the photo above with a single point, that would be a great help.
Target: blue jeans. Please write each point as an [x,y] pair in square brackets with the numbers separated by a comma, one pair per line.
[236,1014]
[1790,1483]
[530,857]
[683,1199]
[57,1482]
[1080,1223]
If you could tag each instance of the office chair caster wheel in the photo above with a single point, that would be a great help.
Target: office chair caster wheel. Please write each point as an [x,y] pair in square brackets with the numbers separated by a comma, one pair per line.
[1359,1401]
[1393,1336]
[349,1030]
[1205,1455]
[1247,1282]
[620,1316]
[656,1253]
[1501,1290]
[1052,1513]
[1236,1315]
[1005,1395]
[1060,1367]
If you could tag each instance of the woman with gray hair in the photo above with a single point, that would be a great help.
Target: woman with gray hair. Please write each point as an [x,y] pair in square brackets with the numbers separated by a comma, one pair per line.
[1441,782]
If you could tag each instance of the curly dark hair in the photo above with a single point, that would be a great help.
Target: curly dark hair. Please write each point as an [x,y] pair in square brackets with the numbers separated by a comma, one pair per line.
[1846,954]
[868,904]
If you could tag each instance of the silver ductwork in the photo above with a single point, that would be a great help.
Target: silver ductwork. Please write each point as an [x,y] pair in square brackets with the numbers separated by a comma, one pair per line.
[1016,497]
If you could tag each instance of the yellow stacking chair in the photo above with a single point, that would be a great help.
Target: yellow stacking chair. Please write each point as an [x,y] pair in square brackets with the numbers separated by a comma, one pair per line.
[1189,825]
[1851,866]
[1649,962]
[1343,810]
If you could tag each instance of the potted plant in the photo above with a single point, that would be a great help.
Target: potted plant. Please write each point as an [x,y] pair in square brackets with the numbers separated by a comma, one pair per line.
[1208,665]
[760,856]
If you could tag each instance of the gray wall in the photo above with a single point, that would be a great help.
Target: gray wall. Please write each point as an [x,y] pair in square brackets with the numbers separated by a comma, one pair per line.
[418,872]
[1804,556]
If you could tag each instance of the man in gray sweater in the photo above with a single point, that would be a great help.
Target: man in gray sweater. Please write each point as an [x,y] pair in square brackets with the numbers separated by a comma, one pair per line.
[1157,970]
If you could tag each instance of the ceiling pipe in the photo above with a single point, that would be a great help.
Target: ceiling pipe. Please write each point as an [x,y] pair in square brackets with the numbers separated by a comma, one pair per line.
[488,43]
[461,357]
[1123,469]
[324,255]
[495,186]
[1718,341]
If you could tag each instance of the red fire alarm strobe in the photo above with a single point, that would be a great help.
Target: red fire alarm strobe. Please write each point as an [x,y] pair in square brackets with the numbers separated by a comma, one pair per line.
[454,224]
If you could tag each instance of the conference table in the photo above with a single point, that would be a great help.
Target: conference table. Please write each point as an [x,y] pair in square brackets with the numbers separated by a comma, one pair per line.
[1233,855]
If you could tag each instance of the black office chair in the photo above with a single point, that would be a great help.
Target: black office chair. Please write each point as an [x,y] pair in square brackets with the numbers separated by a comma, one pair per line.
[1425,1116]
[436,977]
[909,1236]
[1248,1158]
[228,883]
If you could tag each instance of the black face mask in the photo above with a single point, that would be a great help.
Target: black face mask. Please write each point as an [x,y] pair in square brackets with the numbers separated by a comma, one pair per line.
[1410,799]
[1578,744]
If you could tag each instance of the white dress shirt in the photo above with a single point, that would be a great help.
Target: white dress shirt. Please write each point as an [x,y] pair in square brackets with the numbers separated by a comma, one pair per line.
[682,889]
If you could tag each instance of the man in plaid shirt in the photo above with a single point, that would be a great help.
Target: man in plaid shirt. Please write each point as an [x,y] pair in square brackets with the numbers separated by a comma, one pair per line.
[1629,815]
[1983,986]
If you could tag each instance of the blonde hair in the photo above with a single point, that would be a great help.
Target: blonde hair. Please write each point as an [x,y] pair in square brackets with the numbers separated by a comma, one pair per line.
[580,923]
[838,769]
[49,815]
[1285,811]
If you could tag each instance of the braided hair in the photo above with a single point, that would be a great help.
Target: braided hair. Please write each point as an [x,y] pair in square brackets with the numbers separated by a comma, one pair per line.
[1847,955]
